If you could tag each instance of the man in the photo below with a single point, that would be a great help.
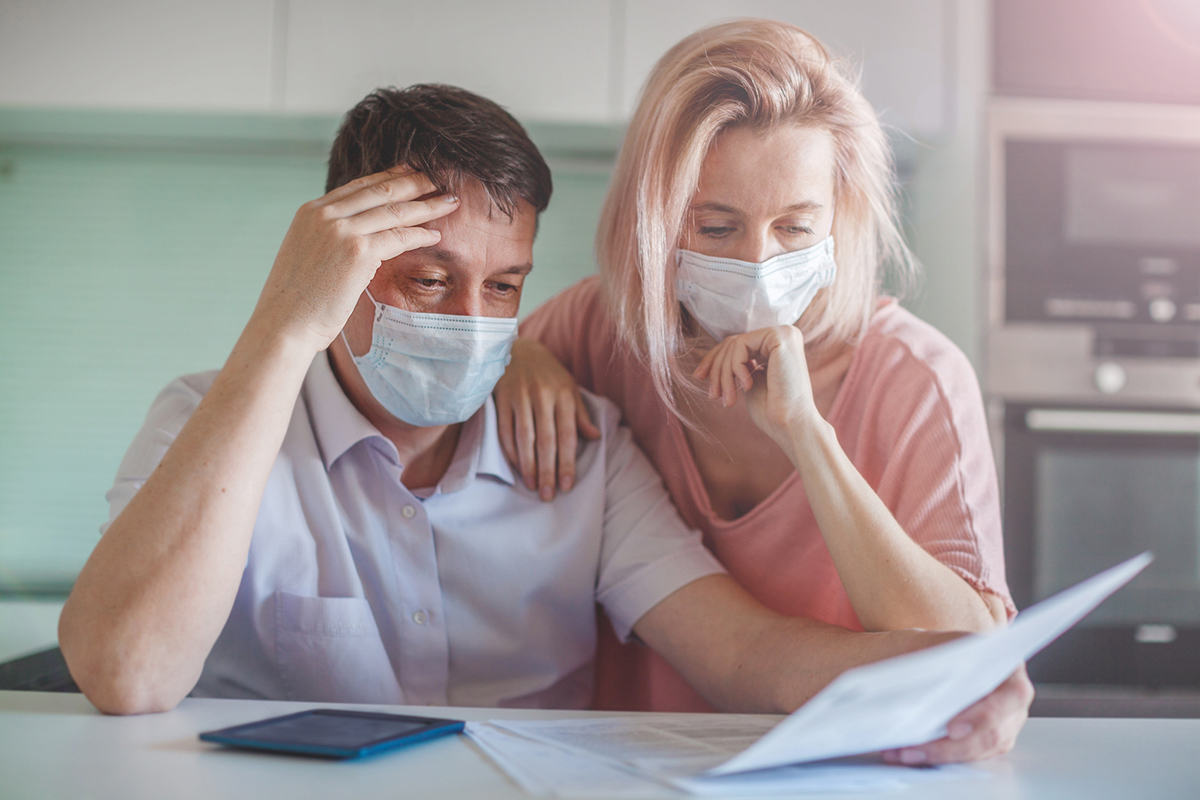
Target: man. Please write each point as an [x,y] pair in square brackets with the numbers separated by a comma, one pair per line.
[329,517]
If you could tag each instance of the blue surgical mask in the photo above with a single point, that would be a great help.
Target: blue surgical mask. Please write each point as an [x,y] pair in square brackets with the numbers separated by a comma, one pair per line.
[434,369]
[727,296]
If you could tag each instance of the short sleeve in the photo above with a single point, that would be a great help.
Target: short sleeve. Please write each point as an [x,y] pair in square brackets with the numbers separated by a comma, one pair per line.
[574,326]
[927,453]
[648,551]
[165,419]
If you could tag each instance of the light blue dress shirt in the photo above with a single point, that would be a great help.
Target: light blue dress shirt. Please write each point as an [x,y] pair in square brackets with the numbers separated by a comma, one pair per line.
[478,594]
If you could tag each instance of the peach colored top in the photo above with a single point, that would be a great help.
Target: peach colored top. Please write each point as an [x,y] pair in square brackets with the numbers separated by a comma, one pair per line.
[908,414]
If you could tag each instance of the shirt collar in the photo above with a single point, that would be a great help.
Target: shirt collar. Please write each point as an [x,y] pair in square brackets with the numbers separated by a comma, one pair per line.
[337,423]
[339,426]
[478,453]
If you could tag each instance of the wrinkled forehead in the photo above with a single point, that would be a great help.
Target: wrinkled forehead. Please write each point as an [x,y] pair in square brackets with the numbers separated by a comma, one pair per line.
[479,236]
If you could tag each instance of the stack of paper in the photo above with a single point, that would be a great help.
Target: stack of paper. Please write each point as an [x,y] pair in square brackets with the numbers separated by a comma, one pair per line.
[903,701]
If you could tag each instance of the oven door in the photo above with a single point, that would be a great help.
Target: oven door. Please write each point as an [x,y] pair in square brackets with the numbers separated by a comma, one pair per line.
[1084,489]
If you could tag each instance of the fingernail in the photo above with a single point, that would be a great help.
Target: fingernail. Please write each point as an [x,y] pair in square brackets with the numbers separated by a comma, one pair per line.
[960,730]
[547,493]
[450,198]
[567,482]
[912,756]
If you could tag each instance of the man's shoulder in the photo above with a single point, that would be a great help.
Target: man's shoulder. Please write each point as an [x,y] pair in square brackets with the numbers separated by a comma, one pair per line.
[196,383]
[604,412]
[180,397]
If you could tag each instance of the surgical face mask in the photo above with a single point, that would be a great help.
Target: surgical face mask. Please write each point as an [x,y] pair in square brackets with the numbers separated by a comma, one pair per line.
[434,369]
[727,296]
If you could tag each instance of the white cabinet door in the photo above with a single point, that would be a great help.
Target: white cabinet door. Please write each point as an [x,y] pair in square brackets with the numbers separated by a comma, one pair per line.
[900,45]
[542,59]
[209,55]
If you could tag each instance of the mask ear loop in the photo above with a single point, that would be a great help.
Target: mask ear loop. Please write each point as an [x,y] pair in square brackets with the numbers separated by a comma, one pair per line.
[342,332]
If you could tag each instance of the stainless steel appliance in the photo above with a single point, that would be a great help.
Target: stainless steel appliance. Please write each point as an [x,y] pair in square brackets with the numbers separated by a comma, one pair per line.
[1093,373]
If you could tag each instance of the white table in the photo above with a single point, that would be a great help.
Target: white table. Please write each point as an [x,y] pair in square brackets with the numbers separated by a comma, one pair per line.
[58,746]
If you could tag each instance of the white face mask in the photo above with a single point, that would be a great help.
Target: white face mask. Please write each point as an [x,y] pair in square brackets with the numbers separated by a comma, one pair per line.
[727,296]
[434,369]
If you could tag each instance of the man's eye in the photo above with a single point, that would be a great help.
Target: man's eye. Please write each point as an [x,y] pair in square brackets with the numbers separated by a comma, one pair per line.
[504,288]
[430,283]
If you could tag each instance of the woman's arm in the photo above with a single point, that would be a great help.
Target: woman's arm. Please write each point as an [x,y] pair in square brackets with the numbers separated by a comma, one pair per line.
[892,582]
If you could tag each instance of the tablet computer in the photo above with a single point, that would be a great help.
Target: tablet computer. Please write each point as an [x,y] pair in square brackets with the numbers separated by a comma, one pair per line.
[333,733]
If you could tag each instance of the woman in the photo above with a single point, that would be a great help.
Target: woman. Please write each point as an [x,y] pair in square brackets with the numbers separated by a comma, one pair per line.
[831,447]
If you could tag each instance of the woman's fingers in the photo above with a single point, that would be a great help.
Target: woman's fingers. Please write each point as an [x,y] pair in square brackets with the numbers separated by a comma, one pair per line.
[986,729]
[564,413]
[583,420]
[547,443]
[526,441]
[505,414]
[702,371]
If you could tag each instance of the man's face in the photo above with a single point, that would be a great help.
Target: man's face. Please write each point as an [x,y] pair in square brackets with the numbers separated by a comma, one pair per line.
[478,268]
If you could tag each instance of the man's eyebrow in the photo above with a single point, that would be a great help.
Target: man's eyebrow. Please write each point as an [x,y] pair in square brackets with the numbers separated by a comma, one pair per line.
[803,205]
[440,254]
[517,269]
[444,256]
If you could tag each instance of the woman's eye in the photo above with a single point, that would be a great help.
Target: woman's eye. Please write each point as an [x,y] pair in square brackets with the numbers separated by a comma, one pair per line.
[796,230]
[715,231]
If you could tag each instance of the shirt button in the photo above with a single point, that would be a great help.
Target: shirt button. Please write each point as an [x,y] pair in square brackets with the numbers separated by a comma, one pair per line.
[408,512]
[419,617]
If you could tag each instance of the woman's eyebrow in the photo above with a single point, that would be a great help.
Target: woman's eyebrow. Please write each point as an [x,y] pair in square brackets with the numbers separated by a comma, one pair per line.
[724,209]
[803,205]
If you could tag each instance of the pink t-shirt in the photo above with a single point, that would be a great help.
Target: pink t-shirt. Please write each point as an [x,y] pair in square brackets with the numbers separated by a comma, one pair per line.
[908,414]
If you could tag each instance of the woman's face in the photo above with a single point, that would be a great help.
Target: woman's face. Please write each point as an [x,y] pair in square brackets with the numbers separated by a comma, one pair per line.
[762,194]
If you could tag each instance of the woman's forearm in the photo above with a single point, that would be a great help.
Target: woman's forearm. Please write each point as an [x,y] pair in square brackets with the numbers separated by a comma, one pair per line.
[892,582]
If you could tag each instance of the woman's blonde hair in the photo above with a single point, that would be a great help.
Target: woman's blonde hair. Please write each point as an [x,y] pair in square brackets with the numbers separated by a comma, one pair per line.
[760,74]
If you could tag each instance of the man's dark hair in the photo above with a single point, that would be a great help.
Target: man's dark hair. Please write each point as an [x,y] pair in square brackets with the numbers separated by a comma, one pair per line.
[448,134]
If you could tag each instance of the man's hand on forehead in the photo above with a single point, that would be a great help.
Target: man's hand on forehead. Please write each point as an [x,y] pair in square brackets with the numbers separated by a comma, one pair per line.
[337,242]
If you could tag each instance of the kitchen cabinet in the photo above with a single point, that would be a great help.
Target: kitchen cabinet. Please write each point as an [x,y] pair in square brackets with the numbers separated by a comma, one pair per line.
[137,54]
[541,59]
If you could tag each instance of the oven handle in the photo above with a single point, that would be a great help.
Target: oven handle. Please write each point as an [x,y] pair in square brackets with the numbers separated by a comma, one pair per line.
[1087,421]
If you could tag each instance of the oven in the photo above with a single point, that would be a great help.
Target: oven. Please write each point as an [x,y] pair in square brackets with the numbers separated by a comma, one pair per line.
[1092,374]
[1086,487]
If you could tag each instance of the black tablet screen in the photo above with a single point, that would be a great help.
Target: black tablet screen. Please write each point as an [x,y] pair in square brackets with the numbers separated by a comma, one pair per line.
[329,730]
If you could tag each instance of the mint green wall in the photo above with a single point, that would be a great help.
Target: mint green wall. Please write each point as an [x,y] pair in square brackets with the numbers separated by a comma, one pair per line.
[125,265]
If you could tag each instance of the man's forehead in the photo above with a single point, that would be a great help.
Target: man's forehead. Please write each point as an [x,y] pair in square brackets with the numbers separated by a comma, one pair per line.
[448,256]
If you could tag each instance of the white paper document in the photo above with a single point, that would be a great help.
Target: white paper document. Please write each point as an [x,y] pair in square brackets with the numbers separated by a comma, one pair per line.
[902,701]
[642,757]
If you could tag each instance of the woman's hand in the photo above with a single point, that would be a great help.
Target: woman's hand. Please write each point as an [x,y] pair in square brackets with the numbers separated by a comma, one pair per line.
[782,397]
[986,729]
[541,413]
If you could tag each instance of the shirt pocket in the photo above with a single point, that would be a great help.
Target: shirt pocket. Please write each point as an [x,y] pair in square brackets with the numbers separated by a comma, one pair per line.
[329,651]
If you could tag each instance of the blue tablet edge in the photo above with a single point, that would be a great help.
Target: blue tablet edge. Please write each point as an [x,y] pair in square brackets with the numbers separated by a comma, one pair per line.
[451,727]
